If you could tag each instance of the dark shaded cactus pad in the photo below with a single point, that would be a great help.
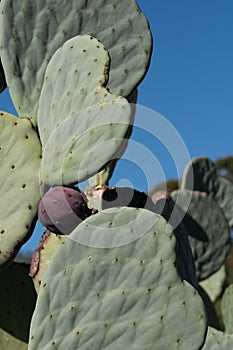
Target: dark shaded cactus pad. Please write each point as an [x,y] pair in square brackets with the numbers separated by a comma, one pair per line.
[17,301]
[201,175]
[61,209]
[208,230]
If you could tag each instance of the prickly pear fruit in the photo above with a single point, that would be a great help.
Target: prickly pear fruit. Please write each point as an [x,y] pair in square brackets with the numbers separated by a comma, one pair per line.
[62,208]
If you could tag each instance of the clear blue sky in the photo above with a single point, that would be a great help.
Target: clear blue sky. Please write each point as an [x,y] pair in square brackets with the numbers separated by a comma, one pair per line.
[190,81]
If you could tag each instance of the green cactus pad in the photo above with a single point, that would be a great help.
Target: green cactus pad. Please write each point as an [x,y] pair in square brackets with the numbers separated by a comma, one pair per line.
[208,230]
[201,175]
[227,308]
[217,340]
[81,125]
[213,285]
[17,301]
[104,176]
[8,342]
[33,31]
[41,257]
[126,296]
[20,153]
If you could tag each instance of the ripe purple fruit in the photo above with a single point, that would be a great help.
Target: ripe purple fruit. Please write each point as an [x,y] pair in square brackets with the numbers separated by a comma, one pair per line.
[62,208]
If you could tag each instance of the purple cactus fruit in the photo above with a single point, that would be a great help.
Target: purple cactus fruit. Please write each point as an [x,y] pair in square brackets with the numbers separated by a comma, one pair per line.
[62,208]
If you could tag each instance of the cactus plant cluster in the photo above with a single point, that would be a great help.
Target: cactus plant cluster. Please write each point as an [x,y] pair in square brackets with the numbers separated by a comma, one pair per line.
[116,267]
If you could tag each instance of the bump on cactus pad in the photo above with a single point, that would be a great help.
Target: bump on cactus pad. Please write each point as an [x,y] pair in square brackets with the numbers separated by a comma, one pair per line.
[33,31]
[81,125]
[124,297]
[20,153]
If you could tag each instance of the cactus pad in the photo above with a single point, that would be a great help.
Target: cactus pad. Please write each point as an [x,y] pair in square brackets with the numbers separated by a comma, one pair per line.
[81,125]
[8,342]
[217,340]
[103,177]
[124,297]
[208,230]
[201,175]
[32,31]
[47,246]
[227,308]
[20,153]
[17,301]
[213,285]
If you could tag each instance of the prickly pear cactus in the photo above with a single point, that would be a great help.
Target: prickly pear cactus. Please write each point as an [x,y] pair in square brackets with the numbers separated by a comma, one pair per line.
[208,230]
[90,288]
[20,155]
[75,130]
[124,277]
[31,32]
